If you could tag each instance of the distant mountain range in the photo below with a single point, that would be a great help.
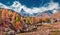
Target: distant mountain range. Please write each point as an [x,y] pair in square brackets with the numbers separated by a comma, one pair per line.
[21,11]
[24,13]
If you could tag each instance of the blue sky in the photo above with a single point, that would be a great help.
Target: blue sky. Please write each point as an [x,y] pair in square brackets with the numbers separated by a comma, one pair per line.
[28,3]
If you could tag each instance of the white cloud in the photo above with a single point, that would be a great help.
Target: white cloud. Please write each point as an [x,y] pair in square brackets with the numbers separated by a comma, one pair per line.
[16,6]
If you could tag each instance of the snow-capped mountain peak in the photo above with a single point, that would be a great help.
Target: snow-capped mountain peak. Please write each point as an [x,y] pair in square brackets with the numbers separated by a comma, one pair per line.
[16,6]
